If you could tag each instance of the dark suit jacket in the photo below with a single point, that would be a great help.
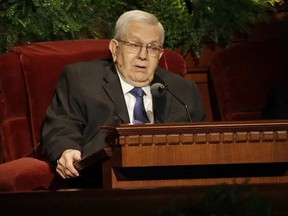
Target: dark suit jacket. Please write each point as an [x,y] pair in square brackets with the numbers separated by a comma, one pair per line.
[89,95]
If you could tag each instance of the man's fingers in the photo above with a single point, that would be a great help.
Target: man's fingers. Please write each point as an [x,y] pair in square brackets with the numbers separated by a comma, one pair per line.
[71,171]
[65,172]
[65,165]
[59,170]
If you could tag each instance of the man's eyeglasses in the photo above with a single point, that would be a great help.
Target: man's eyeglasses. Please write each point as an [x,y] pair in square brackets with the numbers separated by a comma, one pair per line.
[135,47]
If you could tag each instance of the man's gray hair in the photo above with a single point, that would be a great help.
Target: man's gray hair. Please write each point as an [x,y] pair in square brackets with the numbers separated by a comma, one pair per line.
[136,16]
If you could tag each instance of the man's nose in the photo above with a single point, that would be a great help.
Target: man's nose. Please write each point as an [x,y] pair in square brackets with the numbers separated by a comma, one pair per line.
[143,53]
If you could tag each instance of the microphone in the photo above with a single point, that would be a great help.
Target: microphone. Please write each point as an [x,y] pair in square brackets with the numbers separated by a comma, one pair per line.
[158,89]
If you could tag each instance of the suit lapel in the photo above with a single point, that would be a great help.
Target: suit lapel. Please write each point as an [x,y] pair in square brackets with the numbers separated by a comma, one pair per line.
[112,86]
[114,91]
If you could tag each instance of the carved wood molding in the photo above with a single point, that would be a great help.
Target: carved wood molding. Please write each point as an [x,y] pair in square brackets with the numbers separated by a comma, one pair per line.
[241,150]
[198,133]
[205,138]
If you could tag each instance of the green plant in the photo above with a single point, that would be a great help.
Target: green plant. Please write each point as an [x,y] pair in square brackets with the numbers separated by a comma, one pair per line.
[188,23]
[224,200]
[46,20]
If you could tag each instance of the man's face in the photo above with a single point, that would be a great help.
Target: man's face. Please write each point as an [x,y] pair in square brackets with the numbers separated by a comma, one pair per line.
[137,68]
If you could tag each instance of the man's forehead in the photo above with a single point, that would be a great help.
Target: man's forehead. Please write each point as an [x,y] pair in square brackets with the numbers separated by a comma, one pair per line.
[139,32]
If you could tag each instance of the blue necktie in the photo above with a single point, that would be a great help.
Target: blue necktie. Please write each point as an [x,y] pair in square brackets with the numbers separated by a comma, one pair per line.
[140,115]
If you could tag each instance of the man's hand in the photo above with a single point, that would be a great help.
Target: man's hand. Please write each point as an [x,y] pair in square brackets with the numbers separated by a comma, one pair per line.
[65,164]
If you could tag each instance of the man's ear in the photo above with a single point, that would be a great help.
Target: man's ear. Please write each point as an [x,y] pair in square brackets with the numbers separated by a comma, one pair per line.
[113,47]
[161,53]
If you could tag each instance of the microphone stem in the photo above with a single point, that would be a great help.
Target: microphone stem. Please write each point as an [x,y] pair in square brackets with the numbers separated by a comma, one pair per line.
[186,107]
[188,113]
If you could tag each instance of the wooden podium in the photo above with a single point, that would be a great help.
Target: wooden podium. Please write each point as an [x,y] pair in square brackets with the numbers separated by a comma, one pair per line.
[164,155]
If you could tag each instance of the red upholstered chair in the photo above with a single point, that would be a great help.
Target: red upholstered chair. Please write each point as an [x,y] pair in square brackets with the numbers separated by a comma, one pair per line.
[28,76]
[243,75]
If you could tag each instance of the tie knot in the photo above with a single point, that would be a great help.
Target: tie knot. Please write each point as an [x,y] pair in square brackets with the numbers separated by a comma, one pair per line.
[137,92]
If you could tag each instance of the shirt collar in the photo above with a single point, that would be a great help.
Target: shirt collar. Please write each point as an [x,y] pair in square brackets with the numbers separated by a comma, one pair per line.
[126,87]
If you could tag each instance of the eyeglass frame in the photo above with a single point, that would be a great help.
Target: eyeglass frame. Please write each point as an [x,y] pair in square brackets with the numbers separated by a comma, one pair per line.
[137,45]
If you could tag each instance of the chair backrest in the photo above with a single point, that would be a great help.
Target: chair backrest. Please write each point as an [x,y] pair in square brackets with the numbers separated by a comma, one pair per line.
[243,75]
[28,76]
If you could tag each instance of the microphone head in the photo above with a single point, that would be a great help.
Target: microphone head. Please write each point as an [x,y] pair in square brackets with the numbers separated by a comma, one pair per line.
[157,89]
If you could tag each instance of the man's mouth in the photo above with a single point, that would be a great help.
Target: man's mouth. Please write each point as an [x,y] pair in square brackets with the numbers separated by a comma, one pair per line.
[140,67]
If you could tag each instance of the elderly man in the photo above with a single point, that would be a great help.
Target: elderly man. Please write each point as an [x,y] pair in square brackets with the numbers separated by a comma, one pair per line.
[115,91]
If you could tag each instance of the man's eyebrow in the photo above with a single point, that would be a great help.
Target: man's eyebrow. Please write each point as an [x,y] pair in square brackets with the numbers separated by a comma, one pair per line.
[137,40]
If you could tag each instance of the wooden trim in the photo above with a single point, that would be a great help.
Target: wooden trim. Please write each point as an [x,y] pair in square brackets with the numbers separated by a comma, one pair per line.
[188,145]
[203,127]
[195,182]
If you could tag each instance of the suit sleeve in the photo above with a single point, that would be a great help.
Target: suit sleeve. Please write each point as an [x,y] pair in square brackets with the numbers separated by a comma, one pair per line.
[64,120]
